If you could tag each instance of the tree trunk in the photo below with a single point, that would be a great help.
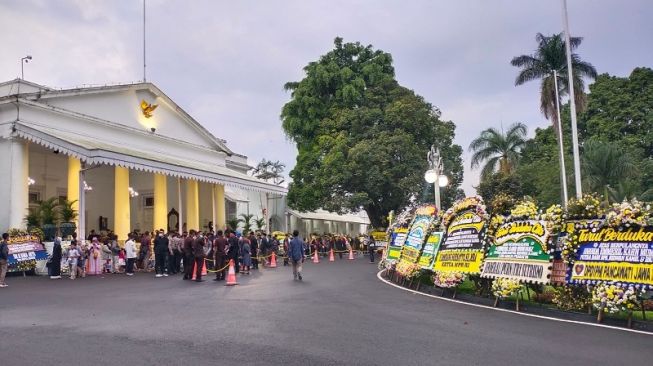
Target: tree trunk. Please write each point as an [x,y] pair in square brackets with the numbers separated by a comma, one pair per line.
[375,215]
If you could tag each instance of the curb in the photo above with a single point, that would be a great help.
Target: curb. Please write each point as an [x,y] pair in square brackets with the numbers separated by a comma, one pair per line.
[378,275]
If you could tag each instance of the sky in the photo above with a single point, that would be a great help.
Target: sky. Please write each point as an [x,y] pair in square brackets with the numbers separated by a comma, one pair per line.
[225,62]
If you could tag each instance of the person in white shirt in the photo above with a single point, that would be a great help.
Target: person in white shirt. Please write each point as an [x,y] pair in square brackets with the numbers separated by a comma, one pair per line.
[73,256]
[130,253]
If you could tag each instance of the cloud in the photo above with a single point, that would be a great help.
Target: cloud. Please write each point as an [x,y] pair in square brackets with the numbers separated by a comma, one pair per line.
[226,62]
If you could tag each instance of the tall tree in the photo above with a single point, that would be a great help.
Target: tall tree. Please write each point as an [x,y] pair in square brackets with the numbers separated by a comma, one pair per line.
[497,184]
[498,150]
[606,166]
[361,137]
[539,167]
[619,109]
[618,112]
[551,55]
[269,170]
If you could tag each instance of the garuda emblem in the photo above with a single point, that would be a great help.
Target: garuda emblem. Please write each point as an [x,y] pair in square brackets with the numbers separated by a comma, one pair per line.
[148,108]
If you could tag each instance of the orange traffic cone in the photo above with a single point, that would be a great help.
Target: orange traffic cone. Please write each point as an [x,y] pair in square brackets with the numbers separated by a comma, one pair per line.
[231,276]
[204,271]
[273,261]
[331,258]
[194,271]
[351,254]
[316,259]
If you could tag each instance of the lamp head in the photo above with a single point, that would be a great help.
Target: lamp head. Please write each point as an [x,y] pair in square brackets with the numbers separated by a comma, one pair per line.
[430,176]
[443,181]
[153,129]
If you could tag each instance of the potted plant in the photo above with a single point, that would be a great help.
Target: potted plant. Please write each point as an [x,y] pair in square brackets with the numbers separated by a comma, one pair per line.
[232,224]
[68,215]
[260,223]
[33,218]
[246,219]
[49,210]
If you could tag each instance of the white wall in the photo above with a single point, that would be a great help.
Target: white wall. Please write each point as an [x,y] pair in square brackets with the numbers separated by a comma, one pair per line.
[49,170]
[100,201]
[206,207]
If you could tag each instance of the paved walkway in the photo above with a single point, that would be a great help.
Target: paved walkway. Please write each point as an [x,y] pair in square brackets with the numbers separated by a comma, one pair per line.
[341,314]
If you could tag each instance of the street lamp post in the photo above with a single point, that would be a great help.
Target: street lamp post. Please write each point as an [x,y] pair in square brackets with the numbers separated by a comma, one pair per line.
[23,61]
[435,173]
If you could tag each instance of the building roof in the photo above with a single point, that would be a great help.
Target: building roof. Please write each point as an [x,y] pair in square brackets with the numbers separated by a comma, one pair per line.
[43,93]
[96,151]
[357,218]
[235,195]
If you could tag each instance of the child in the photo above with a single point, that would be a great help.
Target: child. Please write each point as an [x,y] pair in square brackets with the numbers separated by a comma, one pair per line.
[121,261]
[73,257]
[82,251]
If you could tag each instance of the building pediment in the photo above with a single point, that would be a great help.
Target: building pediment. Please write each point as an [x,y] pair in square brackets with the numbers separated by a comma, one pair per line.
[140,106]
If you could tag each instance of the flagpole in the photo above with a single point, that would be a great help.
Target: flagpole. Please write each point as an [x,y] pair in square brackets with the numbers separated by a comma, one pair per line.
[144,64]
[563,172]
[572,103]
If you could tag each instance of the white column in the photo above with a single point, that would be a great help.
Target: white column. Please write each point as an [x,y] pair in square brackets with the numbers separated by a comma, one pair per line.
[181,211]
[288,223]
[213,208]
[13,183]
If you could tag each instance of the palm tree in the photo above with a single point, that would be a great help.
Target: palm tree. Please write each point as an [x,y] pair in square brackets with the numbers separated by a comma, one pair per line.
[496,148]
[246,219]
[606,167]
[260,223]
[270,170]
[629,189]
[50,211]
[233,223]
[551,55]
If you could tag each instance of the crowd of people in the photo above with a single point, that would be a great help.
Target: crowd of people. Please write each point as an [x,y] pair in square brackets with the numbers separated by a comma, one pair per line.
[341,244]
[170,253]
[188,253]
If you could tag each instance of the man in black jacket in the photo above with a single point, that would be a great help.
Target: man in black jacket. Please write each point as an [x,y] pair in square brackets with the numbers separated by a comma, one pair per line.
[234,250]
[160,253]
[219,255]
[340,246]
[198,252]
[254,249]
[265,248]
[188,255]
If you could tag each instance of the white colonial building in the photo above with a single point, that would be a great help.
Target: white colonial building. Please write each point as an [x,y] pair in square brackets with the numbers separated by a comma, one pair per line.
[101,145]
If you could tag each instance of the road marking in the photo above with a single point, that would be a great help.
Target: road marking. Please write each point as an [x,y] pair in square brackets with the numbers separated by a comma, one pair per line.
[378,275]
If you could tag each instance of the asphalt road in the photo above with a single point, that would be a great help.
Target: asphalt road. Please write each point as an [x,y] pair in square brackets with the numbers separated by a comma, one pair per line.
[341,314]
